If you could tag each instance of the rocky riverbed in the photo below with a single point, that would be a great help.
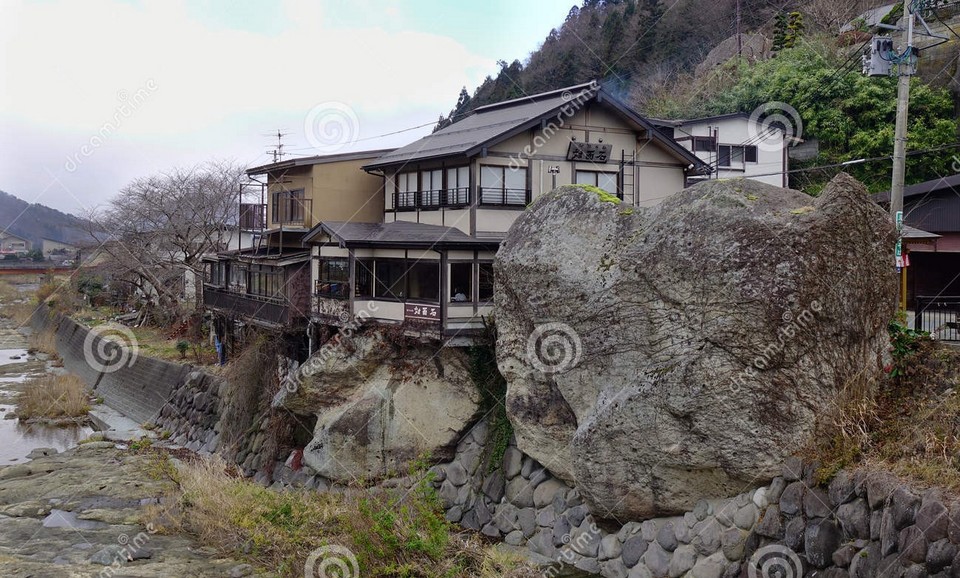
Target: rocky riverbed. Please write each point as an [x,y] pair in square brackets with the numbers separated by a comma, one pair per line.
[70,509]
[80,513]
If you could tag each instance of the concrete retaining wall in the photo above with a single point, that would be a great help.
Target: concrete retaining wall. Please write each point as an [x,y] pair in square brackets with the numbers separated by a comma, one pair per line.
[139,387]
[185,403]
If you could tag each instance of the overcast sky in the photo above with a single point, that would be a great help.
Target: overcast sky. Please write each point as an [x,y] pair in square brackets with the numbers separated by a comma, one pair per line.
[94,93]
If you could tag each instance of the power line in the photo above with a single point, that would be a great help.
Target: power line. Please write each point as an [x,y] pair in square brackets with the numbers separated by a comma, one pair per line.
[845,68]
[862,161]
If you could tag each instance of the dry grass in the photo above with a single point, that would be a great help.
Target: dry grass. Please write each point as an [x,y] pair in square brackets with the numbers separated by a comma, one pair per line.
[391,533]
[44,341]
[910,427]
[53,397]
[249,378]
[8,292]
[19,312]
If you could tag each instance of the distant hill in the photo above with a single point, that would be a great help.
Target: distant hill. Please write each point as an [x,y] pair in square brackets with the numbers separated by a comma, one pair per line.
[35,222]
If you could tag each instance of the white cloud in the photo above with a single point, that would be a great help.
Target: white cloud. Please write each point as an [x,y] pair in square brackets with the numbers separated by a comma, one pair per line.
[63,64]
[60,73]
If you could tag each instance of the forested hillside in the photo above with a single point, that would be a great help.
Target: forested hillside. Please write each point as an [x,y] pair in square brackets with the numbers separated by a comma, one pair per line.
[647,51]
[36,221]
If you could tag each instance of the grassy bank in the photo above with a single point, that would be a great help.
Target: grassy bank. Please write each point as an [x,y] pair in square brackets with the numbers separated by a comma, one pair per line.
[53,397]
[396,532]
[911,427]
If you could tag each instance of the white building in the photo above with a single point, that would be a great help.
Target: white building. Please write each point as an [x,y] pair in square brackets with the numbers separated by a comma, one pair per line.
[734,145]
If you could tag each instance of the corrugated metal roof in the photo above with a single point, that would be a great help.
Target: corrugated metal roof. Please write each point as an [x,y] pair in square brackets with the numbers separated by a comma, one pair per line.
[317,160]
[496,122]
[939,212]
[396,234]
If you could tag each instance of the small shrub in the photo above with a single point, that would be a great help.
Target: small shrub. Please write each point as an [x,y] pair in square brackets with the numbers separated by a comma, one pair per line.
[183,346]
[141,445]
[52,397]
[46,290]
[905,343]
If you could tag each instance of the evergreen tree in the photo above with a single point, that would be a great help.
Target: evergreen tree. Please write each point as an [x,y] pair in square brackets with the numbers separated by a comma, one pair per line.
[794,30]
[780,32]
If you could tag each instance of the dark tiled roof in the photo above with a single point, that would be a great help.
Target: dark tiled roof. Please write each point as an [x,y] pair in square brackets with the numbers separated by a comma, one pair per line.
[493,123]
[951,183]
[397,234]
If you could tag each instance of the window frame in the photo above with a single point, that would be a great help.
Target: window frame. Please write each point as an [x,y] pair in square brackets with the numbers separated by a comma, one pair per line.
[480,284]
[504,192]
[470,280]
[294,203]
[336,288]
[406,265]
[710,146]
[596,172]
[730,160]
[266,282]
[438,194]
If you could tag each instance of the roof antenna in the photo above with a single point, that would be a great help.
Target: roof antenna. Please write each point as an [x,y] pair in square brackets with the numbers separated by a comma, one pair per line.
[278,152]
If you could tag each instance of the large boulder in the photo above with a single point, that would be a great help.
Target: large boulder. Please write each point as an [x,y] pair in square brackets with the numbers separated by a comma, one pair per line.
[381,403]
[658,356]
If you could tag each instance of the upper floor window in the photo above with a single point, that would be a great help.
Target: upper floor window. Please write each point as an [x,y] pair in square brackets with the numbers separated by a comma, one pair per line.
[433,188]
[216,273]
[605,181]
[734,156]
[503,186]
[406,194]
[288,207]
[704,144]
[431,185]
[265,281]
[457,188]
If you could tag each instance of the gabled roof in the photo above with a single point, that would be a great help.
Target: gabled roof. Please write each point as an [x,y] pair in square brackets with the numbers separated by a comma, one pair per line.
[951,183]
[317,160]
[683,121]
[9,235]
[397,234]
[494,123]
[915,234]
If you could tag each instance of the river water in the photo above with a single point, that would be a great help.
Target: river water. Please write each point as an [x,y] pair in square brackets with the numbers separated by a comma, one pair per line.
[16,368]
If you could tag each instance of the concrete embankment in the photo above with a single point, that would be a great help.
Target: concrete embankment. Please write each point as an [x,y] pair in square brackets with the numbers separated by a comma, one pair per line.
[134,385]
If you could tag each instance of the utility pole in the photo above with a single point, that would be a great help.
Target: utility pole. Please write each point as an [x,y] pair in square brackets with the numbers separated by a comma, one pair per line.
[904,73]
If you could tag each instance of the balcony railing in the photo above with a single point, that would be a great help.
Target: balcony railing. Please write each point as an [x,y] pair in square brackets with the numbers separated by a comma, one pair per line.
[459,197]
[253,216]
[293,210]
[504,197]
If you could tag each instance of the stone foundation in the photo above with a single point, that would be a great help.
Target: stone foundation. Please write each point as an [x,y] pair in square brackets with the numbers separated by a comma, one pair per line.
[860,525]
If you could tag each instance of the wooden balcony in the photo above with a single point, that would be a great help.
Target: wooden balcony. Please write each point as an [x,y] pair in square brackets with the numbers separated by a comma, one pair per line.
[260,309]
